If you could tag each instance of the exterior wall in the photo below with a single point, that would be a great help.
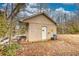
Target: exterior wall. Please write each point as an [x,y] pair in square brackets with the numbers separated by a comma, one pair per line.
[35,28]
[34,32]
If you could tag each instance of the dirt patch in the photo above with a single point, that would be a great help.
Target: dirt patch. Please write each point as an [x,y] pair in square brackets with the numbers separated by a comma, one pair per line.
[65,45]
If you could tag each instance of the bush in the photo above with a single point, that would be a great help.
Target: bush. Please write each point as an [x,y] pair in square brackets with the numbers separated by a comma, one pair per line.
[10,50]
[1,49]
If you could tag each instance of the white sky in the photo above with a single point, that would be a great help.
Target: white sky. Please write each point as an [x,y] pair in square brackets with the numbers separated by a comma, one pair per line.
[40,1]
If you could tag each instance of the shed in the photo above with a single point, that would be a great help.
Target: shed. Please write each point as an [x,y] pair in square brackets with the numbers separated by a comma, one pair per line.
[40,27]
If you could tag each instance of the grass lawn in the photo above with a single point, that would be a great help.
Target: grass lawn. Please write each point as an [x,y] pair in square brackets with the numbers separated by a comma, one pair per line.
[65,45]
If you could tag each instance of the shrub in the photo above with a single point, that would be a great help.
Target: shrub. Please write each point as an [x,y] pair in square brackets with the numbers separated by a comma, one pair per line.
[1,49]
[10,50]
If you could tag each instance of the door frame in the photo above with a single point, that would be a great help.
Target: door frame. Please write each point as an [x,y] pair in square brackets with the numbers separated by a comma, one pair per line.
[46,32]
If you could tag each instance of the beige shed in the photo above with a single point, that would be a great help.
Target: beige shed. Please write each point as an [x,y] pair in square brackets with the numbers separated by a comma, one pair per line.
[40,27]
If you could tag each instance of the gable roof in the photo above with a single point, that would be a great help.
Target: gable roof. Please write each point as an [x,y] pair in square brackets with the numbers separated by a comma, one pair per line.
[38,15]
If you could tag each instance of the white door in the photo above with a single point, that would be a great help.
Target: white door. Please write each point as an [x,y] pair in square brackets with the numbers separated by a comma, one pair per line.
[44,32]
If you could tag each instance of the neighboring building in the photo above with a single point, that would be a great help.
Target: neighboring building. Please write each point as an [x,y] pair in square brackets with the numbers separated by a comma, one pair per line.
[40,27]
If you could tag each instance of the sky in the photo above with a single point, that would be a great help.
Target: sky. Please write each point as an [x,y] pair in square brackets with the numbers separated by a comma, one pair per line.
[54,6]
[68,7]
[1,5]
